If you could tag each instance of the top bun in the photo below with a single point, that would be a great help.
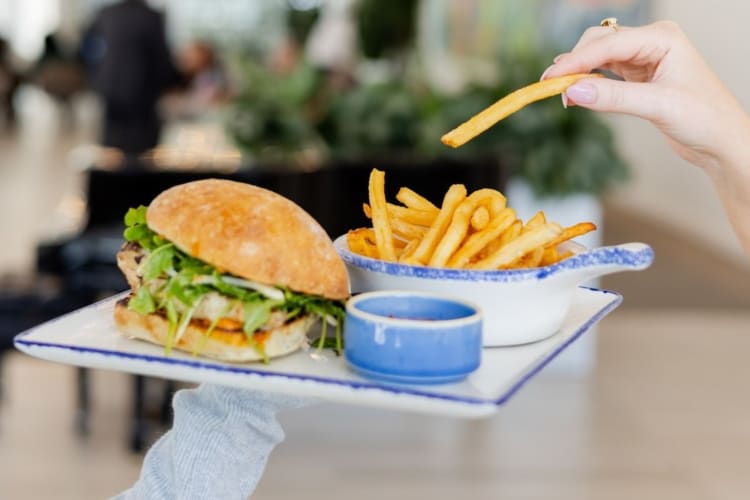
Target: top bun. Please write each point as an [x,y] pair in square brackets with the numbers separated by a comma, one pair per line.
[252,233]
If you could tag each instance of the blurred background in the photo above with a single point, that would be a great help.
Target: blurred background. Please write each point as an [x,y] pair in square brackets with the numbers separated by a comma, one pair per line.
[105,104]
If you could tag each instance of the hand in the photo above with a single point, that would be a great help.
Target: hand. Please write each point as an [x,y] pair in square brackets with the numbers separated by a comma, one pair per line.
[667,82]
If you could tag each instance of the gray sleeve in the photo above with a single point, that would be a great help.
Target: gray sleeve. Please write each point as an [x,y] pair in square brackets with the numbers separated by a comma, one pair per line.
[217,448]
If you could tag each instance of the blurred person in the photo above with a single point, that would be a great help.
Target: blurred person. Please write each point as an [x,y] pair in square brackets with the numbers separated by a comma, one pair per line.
[9,82]
[132,67]
[59,74]
[204,72]
[222,437]
[205,85]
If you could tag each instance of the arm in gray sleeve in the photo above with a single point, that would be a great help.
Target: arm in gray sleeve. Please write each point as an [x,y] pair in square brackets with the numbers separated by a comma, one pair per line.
[217,448]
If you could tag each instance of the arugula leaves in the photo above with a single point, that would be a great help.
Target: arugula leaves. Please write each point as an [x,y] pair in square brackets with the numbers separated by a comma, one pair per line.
[142,302]
[136,229]
[175,282]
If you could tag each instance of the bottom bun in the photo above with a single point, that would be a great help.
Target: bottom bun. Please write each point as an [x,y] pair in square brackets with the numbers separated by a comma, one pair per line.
[224,345]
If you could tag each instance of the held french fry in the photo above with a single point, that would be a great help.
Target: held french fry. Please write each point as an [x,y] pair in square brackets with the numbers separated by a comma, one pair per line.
[380,224]
[509,105]
[414,200]
[453,197]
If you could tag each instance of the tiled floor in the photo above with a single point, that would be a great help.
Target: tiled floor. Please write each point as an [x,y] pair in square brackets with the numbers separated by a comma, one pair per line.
[663,416]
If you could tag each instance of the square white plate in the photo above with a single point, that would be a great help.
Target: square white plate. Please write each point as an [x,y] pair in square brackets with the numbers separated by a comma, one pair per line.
[88,337]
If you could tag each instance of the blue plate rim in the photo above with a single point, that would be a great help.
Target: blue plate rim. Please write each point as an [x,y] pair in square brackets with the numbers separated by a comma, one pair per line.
[357,385]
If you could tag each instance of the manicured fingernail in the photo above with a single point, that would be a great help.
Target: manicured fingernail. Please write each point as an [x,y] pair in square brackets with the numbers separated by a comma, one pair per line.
[564,100]
[545,72]
[581,93]
[557,58]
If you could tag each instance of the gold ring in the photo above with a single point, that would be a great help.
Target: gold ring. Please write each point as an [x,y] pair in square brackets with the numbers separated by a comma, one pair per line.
[610,22]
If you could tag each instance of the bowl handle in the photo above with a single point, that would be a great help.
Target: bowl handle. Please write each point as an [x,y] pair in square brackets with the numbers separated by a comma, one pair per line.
[605,260]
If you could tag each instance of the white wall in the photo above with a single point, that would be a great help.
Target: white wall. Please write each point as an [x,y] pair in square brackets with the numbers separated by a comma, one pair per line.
[664,186]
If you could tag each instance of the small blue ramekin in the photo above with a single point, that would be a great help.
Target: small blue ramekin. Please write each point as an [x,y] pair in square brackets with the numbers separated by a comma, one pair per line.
[412,337]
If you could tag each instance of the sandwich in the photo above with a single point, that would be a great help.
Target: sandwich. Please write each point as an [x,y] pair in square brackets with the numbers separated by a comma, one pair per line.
[230,271]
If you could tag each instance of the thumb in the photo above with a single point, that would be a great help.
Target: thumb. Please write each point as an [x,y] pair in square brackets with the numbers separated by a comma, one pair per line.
[604,94]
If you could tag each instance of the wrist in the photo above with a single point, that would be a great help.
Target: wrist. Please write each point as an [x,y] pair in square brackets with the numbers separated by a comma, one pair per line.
[730,174]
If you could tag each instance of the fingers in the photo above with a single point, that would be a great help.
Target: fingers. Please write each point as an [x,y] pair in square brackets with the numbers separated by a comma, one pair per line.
[600,47]
[595,33]
[602,94]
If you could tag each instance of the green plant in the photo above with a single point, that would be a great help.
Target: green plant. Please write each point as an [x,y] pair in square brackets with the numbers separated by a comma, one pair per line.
[272,117]
[385,28]
[558,151]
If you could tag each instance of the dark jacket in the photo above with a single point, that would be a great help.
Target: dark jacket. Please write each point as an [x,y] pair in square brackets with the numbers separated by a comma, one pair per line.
[134,66]
[131,66]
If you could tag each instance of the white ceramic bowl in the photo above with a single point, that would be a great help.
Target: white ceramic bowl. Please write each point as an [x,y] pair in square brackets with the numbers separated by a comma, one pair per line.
[519,306]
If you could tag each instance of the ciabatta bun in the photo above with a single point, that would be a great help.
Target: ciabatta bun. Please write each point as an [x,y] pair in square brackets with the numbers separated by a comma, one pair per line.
[252,233]
[231,346]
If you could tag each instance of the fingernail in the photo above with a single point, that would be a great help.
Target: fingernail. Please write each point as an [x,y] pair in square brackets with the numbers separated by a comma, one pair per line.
[557,58]
[564,100]
[545,72]
[581,93]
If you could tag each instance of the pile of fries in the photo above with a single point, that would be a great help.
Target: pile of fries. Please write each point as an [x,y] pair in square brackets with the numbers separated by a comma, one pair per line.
[468,231]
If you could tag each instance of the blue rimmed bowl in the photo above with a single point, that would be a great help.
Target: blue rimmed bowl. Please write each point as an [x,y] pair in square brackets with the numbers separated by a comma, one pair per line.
[518,306]
[412,337]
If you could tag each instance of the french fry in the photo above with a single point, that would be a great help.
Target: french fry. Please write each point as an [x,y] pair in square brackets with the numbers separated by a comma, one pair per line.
[537,220]
[408,252]
[414,200]
[510,234]
[358,242]
[571,232]
[565,255]
[520,246]
[412,215]
[506,236]
[400,227]
[497,203]
[480,218]
[453,197]
[459,225]
[380,223]
[509,105]
[533,258]
[477,241]
[407,231]
[550,256]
